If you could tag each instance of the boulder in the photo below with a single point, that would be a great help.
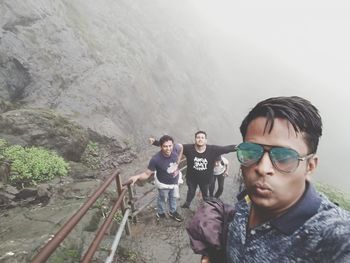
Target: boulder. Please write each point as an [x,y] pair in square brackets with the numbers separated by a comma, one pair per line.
[41,127]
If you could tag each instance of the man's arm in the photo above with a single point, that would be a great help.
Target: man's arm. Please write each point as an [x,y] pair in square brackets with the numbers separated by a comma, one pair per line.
[142,176]
[153,141]
[224,149]
[180,153]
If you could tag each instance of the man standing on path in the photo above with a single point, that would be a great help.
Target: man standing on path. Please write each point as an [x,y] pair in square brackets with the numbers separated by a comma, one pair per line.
[165,164]
[200,164]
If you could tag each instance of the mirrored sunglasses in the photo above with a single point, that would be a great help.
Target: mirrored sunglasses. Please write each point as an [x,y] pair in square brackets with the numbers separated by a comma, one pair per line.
[285,160]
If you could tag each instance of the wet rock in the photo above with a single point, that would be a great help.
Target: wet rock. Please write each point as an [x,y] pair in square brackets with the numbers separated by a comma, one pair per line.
[17,78]
[26,193]
[79,171]
[45,128]
[43,190]
[11,189]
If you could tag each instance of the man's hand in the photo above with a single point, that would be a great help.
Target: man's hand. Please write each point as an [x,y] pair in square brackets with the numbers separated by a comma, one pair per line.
[133,179]
[142,176]
[151,140]
[205,259]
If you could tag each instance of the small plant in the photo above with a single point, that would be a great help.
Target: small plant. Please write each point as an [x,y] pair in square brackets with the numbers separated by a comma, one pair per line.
[69,254]
[33,164]
[129,141]
[91,156]
[129,255]
[118,217]
[335,195]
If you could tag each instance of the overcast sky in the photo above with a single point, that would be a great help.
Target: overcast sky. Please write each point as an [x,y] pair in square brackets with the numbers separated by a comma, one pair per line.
[309,42]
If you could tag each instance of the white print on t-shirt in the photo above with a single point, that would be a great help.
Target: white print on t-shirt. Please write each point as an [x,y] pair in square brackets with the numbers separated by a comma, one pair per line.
[200,164]
[172,169]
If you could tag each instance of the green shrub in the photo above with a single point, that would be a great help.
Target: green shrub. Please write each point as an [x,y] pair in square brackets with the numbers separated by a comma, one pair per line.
[33,164]
[335,195]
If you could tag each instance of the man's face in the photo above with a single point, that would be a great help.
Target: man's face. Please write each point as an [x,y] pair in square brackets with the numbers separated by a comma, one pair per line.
[167,148]
[267,187]
[200,139]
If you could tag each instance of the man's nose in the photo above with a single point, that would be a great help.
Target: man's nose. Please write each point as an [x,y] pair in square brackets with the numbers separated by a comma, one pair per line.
[265,166]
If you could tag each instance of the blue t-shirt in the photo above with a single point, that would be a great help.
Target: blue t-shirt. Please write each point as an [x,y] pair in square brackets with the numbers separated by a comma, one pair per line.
[166,166]
[313,230]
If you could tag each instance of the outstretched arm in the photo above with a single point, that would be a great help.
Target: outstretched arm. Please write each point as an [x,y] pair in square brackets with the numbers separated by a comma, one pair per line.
[153,141]
[142,176]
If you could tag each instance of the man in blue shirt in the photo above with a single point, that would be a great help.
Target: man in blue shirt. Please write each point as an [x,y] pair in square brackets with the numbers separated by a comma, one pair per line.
[165,164]
[284,219]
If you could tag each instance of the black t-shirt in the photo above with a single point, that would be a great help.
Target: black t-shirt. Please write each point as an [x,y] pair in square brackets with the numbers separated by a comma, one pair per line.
[200,165]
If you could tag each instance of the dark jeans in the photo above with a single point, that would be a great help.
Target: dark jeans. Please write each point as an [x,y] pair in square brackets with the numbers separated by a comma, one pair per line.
[221,179]
[192,187]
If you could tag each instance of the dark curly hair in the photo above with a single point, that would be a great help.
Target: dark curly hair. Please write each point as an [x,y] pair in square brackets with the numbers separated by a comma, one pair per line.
[303,116]
[164,139]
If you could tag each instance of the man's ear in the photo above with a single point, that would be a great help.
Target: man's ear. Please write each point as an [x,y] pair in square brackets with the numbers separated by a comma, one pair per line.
[311,166]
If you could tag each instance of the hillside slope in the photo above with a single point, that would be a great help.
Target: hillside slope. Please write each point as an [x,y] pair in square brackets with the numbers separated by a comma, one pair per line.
[124,69]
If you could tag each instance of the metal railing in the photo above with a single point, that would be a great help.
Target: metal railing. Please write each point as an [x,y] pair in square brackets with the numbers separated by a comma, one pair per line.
[52,245]
[129,212]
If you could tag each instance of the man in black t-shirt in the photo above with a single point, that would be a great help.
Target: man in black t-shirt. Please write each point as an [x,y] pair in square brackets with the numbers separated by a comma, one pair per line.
[200,164]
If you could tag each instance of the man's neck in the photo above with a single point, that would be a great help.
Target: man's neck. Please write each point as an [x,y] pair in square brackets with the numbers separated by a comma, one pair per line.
[200,148]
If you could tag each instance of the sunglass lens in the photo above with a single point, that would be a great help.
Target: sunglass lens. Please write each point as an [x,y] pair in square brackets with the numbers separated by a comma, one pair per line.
[284,159]
[249,153]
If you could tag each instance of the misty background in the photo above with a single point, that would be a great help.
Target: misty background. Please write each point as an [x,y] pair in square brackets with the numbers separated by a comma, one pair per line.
[134,69]
[274,48]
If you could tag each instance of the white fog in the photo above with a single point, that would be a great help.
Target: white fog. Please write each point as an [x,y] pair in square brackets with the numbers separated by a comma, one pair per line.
[272,48]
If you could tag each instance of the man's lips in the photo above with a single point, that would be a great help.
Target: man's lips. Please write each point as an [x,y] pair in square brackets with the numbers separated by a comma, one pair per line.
[262,189]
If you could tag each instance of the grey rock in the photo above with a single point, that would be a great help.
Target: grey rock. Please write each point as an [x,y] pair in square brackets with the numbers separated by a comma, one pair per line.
[43,190]
[26,193]
[45,128]
[11,190]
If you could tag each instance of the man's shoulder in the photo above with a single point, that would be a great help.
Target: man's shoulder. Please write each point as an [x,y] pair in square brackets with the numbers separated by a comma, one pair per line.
[330,220]
[188,146]
[333,226]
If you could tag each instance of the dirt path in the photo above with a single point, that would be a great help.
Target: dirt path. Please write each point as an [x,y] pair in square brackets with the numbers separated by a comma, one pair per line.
[167,240]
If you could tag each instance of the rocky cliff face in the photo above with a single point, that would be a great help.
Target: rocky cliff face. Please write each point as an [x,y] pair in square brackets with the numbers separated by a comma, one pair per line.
[123,69]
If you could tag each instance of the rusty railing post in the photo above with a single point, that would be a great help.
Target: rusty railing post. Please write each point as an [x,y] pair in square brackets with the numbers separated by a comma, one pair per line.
[119,190]
[131,203]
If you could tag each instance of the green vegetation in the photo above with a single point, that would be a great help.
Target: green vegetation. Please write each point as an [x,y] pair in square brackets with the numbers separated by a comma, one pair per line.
[335,195]
[32,164]
[129,141]
[129,255]
[69,254]
[91,156]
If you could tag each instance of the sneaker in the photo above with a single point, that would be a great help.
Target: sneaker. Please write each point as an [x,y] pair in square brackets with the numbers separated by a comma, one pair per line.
[185,205]
[160,216]
[176,216]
